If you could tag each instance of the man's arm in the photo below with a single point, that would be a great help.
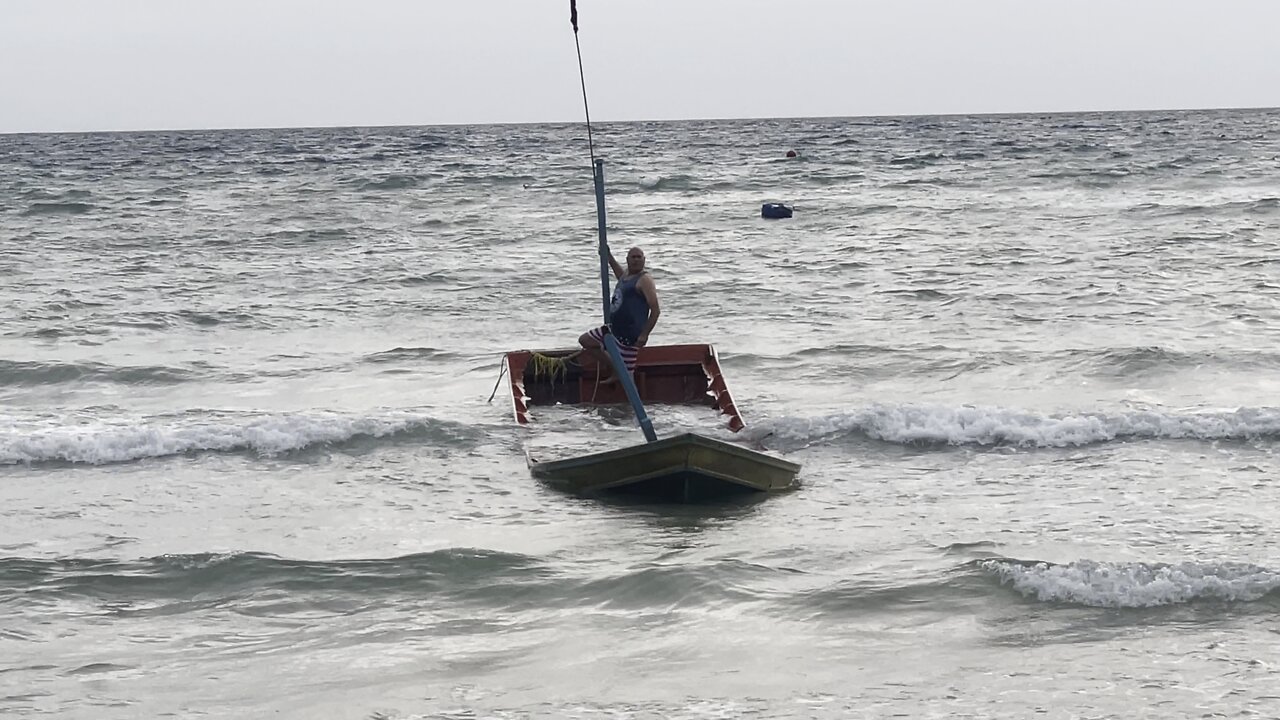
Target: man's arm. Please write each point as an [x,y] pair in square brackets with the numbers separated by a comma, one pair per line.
[617,268]
[650,291]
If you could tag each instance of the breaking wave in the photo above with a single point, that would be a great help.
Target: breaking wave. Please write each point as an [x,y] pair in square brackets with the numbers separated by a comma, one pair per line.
[98,441]
[1134,585]
[973,425]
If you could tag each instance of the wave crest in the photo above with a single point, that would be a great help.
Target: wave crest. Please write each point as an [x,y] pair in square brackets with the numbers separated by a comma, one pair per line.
[58,208]
[1134,585]
[100,441]
[974,425]
[23,373]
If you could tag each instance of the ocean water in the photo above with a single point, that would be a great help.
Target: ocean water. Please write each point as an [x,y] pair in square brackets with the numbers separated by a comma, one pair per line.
[249,464]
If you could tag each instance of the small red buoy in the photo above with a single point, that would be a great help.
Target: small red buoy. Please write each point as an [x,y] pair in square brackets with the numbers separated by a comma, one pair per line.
[791,153]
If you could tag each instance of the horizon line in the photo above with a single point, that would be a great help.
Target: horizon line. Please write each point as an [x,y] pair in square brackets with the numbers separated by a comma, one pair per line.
[885,116]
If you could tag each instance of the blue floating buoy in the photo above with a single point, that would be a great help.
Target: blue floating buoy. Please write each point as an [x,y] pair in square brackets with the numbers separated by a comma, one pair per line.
[775,211]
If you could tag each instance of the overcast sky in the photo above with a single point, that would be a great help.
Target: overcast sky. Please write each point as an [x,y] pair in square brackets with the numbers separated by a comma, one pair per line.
[152,64]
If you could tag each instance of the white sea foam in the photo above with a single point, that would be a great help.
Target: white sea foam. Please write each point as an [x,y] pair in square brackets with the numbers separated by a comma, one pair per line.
[98,440]
[976,425]
[1135,585]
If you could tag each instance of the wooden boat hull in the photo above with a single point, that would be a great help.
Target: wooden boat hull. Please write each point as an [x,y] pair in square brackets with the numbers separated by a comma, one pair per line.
[665,374]
[682,468]
[687,467]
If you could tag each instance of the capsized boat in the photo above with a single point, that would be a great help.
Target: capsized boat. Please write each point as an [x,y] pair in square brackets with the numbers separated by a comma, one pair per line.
[683,467]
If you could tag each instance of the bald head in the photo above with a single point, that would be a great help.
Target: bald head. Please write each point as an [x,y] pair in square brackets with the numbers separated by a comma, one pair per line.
[635,261]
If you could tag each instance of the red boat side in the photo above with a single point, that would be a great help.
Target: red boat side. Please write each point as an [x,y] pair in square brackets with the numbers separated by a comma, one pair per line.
[664,374]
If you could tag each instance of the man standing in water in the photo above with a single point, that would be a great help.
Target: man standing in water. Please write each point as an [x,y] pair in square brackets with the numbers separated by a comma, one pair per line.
[633,311]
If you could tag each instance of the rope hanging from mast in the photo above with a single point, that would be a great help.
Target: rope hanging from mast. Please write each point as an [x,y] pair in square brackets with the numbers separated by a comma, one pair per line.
[591,145]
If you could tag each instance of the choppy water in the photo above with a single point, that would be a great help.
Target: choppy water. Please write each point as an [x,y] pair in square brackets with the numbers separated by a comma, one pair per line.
[247,466]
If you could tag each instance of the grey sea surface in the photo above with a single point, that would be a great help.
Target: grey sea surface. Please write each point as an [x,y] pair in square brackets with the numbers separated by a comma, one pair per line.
[249,466]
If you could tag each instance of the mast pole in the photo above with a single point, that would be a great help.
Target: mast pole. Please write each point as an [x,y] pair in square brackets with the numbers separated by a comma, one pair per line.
[597,174]
[603,232]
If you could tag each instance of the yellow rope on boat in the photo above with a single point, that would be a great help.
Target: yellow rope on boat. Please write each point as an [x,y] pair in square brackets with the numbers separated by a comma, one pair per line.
[550,367]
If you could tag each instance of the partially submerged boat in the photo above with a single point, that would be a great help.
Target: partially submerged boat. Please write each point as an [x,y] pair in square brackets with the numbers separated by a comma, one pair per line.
[684,467]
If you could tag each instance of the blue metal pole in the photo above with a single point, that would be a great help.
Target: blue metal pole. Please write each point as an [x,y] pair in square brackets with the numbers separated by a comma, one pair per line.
[629,385]
[610,342]
[604,238]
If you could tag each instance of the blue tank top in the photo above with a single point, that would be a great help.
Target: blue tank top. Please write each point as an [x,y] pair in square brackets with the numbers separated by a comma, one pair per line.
[628,311]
